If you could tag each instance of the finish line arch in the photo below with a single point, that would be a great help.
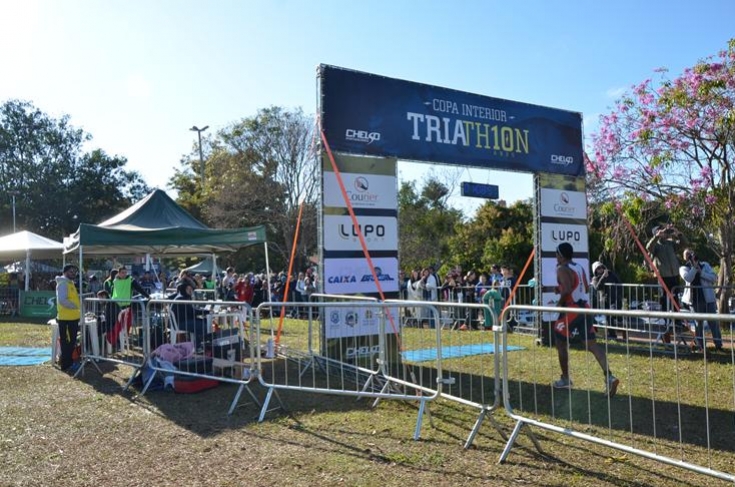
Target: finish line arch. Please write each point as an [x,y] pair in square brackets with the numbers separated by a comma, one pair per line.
[368,122]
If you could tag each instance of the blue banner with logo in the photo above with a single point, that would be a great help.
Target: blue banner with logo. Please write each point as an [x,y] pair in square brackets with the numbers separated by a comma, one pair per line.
[374,115]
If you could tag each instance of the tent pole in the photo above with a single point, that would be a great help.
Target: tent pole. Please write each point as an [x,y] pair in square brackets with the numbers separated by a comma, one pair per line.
[28,267]
[267,270]
[81,280]
[214,273]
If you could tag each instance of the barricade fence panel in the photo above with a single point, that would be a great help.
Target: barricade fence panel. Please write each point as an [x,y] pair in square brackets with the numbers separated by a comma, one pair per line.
[113,330]
[356,353]
[201,340]
[9,301]
[522,321]
[418,362]
[171,342]
[674,407]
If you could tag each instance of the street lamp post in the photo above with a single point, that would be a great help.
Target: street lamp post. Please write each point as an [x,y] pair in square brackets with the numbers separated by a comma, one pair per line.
[14,194]
[201,156]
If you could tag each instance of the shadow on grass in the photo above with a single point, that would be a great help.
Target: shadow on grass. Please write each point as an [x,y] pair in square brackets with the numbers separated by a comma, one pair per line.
[205,413]
[624,415]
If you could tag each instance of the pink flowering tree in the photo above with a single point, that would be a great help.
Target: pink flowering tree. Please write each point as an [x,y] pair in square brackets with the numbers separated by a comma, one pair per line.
[669,148]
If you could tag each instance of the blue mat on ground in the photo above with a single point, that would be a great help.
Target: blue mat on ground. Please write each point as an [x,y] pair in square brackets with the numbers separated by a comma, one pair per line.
[24,355]
[452,352]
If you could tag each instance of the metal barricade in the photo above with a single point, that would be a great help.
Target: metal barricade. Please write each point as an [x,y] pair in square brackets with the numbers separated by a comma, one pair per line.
[406,363]
[9,301]
[217,345]
[347,364]
[462,360]
[670,409]
[112,331]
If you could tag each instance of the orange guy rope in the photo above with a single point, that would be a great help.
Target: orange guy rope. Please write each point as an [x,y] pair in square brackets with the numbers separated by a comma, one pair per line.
[363,244]
[290,269]
[518,281]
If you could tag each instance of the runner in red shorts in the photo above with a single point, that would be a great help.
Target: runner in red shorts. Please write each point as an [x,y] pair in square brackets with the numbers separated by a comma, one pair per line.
[572,286]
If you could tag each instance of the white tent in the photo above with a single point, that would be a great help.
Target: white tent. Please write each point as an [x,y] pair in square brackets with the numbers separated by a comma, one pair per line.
[27,244]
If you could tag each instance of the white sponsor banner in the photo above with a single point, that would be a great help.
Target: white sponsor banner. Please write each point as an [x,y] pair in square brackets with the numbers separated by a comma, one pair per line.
[563,204]
[548,269]
[380,232]
[354,276]
[359,321]
[552,234]
[363,191]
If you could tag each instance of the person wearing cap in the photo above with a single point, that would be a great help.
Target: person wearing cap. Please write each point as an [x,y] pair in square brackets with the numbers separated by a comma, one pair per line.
[608,292]
[68,314]
[662,249]
[572,287]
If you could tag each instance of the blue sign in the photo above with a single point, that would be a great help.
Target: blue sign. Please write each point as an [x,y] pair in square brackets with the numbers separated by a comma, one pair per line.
[487,191]
[373,115]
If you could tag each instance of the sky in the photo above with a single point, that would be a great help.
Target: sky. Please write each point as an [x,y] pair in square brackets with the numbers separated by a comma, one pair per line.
[137,74]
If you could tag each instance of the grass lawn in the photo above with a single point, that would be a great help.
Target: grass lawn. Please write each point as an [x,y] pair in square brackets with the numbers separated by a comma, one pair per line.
[84,432]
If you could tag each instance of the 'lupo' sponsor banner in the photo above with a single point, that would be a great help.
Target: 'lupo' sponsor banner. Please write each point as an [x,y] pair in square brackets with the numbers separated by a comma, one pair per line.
[354,276]
[379,232]
[553,234]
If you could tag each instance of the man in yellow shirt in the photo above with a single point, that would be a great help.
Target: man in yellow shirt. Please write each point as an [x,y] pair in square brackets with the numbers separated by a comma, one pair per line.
[68,314]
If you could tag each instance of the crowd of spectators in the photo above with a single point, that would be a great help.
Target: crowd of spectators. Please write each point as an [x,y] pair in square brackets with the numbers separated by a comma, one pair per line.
[456,286]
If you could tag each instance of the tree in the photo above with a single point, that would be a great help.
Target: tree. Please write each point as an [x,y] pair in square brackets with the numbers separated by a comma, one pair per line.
[59,185]
[496,235]
[666,153]
[258,170]
[426,223]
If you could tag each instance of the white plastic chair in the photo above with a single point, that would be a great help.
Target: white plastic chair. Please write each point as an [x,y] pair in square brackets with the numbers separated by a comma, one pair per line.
[175,334]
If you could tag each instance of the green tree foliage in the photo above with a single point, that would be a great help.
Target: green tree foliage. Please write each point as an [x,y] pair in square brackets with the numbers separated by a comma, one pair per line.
[426,223]
[258,170]
[497,234]
[59,185]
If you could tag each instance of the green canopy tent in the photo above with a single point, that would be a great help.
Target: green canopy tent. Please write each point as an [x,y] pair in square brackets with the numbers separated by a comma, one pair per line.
[158,225]
[206,267]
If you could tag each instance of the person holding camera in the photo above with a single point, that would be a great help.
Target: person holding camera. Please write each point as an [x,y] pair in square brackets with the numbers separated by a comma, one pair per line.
[662,248]
[608,292]
[699,296]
